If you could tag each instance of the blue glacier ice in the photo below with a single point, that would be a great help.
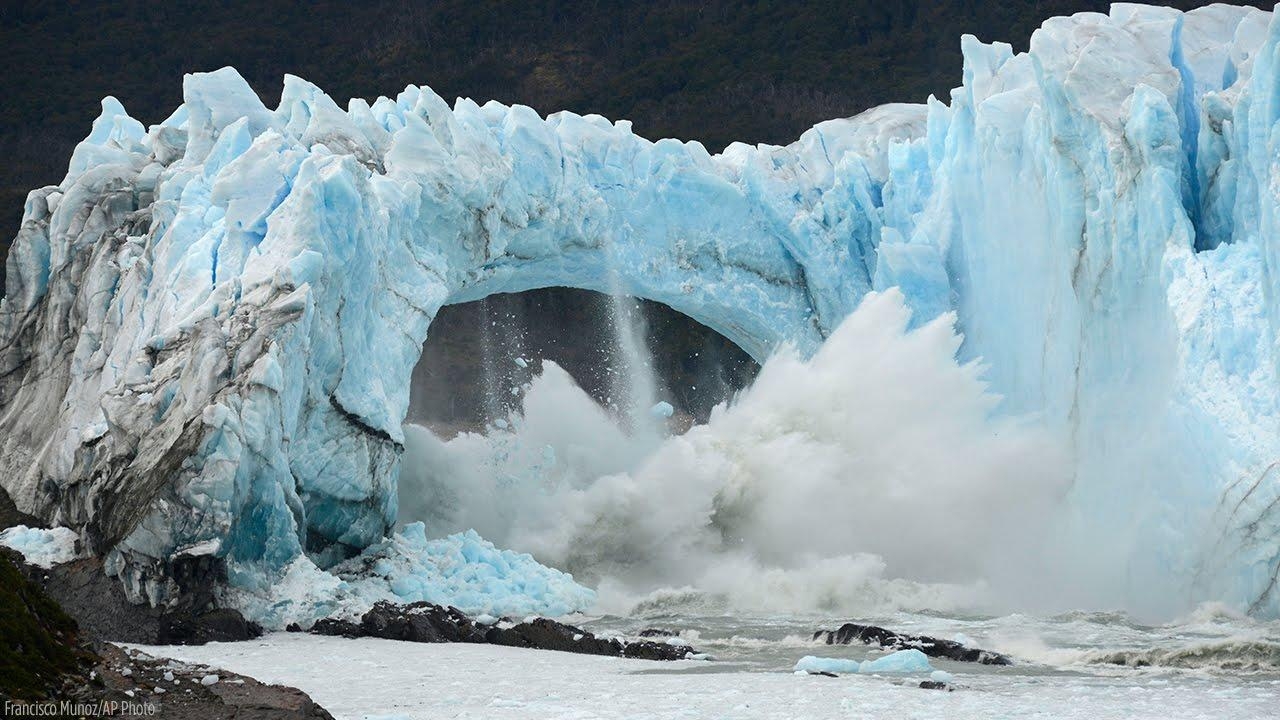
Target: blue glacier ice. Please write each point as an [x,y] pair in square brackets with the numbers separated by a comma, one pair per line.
[461,570]
[901,661]
[40,546]
[211,323]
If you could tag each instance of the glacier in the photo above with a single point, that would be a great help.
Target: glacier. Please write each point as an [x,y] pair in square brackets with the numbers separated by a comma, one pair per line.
[210,324]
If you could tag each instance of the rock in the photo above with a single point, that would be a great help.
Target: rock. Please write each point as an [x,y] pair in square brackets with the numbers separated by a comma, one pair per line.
[229,697]
[42,654]
[104,613]
[426,622]
[551,635]
[336,628]
[293,627]
[419,622]
[44,658]
[657,632]
[823,673]
[934,685]
[221,625]
[890,640]
[197,577]
[97,602]
[11,516]
[645,650]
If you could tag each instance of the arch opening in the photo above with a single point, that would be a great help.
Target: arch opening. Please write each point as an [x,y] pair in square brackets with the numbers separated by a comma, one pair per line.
[481,353]
[522,399]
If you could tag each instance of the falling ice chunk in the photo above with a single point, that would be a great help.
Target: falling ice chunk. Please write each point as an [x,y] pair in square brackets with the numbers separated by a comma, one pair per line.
[662,409]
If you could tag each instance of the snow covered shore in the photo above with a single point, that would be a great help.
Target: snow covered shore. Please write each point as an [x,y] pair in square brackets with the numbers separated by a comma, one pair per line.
[367,679]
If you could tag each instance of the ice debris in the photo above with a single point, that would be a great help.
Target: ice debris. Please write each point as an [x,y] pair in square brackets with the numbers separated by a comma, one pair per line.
[902,661]
[41,547]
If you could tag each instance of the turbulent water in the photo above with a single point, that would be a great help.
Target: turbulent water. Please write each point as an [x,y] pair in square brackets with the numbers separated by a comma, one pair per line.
[873,482]
[872,477]
[1208,664]
[1210,643]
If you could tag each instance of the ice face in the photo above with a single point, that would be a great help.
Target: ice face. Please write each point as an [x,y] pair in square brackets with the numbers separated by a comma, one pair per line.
[211,323]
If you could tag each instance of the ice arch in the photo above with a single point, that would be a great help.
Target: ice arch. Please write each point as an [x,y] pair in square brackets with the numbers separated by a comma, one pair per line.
[211,324]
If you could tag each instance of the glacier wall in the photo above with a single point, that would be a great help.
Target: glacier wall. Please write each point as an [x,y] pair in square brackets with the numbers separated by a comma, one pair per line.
[211,323]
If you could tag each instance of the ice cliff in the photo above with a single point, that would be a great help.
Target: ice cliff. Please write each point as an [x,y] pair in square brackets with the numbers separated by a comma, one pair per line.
[211,323]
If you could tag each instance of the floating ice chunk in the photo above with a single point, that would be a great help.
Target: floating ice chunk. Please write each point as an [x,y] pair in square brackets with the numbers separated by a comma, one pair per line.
[941,676]
[811,663]
[42,548]
[902,661]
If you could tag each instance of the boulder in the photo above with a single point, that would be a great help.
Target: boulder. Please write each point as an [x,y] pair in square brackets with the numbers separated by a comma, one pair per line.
[420,622]
[184,627]
[933,647]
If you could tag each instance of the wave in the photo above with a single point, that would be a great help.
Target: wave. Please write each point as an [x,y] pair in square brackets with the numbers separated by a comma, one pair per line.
[1240,655]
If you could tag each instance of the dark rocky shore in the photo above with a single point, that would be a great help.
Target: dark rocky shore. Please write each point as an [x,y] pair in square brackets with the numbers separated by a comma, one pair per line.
[46,656]
[425,622]
[57,626]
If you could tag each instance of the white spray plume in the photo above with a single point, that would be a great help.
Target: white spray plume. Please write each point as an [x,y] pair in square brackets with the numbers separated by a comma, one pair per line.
[873,475]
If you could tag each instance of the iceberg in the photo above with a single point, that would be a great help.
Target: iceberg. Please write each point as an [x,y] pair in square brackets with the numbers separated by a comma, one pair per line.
[211,322]
[902,661]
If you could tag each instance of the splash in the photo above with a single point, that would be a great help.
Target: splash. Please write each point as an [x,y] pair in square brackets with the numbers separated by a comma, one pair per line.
[873,474]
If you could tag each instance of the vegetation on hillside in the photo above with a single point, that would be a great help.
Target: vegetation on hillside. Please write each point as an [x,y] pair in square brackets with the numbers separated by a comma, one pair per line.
[39,648]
